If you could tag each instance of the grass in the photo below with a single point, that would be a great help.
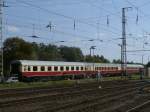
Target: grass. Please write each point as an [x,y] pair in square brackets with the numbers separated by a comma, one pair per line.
[61,83]
[35,84]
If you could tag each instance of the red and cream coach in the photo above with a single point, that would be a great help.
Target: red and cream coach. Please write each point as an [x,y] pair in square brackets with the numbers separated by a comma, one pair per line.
[28,70]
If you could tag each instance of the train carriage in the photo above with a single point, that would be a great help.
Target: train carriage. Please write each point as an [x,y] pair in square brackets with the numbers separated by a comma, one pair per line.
[29,70]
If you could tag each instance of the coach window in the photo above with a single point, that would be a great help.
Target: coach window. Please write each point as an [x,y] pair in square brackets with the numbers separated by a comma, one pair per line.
[67,68]
[61,68]
[86,68]
[29,68]
[72,68]
[55,68]
[81,68]
[49,68]
[34,68]
[25,68]
[42,68]
[77,68]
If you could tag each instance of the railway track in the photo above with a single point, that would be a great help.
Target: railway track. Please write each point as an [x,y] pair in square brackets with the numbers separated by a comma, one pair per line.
[84,104]
[49,93]
[75,98]
[37,89]
[89,104]
[19,94]
[139,108]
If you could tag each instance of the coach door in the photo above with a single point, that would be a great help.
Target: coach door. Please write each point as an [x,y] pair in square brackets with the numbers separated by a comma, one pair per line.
[15,69]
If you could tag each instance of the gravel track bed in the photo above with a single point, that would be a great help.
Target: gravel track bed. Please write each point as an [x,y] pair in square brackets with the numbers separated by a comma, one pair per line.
[79,98]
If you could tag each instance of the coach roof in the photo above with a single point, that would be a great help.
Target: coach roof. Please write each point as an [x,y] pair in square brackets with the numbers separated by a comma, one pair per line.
[46,63]
[62,63]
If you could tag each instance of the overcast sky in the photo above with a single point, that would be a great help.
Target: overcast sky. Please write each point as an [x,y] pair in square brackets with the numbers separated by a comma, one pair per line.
[77,21]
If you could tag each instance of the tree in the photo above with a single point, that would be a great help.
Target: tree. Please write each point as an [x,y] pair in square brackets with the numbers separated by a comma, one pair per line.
[148,64]
[71,53]
[116,61]
[96,58]
[48,52]
[16,49]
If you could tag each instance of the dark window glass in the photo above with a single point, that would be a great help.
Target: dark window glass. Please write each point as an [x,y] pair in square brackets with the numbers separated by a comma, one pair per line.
[29,69]
[55,68]
[25,68]
[81,68]
[77,68]
[42,68]
[34,68]
[61,68]
[49,68]
[67,68]
[72,68]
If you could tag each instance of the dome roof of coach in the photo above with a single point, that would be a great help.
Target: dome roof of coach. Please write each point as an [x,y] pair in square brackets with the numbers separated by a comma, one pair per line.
[135,65]
[46,63]
[107,64]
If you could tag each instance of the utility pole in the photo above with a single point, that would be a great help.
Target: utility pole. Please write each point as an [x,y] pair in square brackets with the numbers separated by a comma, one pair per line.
[121,57]
[123,49]
[92,48]
[142,59]
[1,41]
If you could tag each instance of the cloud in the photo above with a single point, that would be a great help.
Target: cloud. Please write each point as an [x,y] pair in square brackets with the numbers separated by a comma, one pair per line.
[13,28]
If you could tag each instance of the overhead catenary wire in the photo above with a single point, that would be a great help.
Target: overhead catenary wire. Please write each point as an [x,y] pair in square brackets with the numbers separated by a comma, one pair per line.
[75,25]
[64,16]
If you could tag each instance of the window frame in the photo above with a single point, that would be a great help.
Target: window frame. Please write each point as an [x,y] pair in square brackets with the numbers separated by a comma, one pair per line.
[42,68]
[67,68]
[29,68]
[77,68]
[55,68]
[61,68]
[72,68]
[50,68]
[35,68]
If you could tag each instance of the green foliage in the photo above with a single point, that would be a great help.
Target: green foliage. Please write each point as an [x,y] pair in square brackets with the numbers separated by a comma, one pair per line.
[148,64]
[96,58]
[47,52]
[119,61]
[71,53]
[116,61]
[17,49]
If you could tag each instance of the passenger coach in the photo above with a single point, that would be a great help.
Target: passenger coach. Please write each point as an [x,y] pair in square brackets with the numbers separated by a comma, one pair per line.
[29,70]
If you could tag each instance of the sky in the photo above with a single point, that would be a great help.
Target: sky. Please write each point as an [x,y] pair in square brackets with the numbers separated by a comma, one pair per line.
[76,22]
